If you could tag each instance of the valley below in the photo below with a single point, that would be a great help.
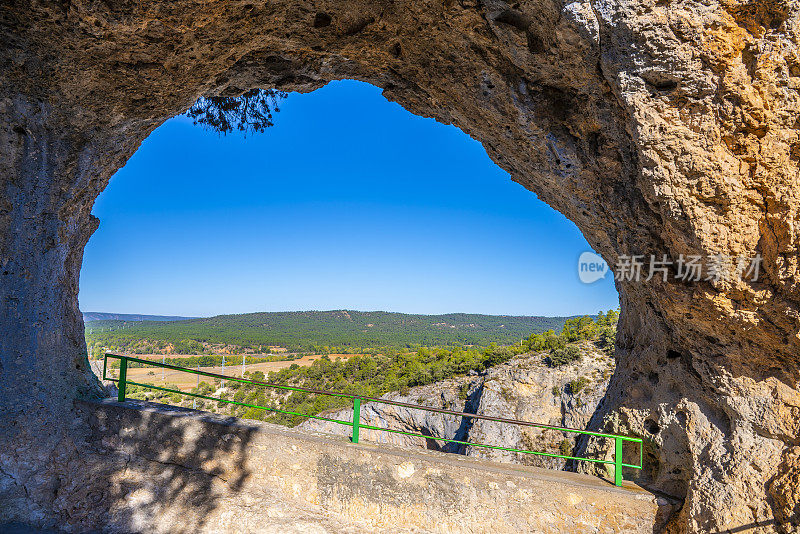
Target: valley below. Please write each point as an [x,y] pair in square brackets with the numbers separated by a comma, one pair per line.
[549,378]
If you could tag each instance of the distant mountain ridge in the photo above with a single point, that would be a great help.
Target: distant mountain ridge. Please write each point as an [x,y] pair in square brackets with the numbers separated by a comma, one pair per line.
[103,316]
[310,330]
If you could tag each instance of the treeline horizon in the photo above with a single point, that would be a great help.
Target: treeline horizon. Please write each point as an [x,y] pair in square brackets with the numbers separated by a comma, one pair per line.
[376,375]
[317,331]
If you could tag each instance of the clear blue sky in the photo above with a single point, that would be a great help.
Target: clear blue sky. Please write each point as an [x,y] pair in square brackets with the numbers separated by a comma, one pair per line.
[348,202]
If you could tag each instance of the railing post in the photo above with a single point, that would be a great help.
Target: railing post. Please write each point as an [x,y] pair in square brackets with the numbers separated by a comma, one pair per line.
[123,374]
[618,461]
[356,418]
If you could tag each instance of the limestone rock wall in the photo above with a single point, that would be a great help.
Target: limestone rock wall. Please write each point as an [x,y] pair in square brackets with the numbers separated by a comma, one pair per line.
[658,127]
[528,390]
[523,388]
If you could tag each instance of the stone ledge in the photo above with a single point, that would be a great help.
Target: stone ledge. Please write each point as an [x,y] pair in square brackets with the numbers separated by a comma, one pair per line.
[223,474]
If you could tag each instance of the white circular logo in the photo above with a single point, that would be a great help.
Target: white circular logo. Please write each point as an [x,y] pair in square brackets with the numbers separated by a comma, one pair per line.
[591,267]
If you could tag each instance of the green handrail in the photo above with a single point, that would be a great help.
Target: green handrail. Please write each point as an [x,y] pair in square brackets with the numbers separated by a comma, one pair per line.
[356,424]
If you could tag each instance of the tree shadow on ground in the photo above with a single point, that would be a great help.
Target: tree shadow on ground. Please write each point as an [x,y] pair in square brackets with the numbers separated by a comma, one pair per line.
[143,464]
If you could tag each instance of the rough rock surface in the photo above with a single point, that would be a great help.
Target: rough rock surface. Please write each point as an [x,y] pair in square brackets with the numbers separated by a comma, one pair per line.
[658,127]
[447,394]
[523,388]
[176,470]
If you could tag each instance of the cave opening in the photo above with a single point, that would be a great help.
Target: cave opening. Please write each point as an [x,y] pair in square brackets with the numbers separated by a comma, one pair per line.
[348,202]
[343,201]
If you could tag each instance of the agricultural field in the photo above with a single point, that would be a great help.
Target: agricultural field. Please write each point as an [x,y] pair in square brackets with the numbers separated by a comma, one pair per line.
[233,367]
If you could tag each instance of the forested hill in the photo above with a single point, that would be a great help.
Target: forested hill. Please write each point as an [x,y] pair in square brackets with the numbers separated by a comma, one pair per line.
[312,330]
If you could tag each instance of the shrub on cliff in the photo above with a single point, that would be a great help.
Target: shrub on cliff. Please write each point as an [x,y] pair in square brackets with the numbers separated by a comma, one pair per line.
[574,386]
[563,356]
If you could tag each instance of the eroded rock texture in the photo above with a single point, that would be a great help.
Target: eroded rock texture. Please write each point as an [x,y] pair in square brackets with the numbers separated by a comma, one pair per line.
[659,127]
[524,388]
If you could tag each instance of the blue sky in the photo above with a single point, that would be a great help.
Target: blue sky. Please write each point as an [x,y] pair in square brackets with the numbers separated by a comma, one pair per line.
[349,201]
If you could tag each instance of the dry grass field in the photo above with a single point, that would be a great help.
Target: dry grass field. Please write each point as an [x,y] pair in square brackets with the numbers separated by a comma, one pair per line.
[186,381]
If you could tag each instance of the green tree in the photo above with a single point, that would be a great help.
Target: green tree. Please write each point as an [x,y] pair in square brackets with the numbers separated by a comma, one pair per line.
[250,112]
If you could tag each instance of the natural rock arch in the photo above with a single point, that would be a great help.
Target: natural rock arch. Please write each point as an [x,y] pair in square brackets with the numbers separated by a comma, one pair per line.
[657,127]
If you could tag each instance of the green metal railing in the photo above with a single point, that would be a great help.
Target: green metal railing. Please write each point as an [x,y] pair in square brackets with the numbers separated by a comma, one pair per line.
[356,424]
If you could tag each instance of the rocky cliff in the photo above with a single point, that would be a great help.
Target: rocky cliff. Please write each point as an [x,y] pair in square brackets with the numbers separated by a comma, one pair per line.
[658,127]
[524,388]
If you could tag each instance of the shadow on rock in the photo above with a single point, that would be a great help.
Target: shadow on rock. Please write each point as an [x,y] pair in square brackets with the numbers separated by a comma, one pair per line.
[140,467]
